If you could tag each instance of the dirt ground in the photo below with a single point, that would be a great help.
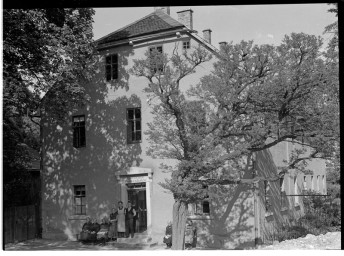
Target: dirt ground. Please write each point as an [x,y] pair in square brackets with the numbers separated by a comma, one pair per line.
[329,241]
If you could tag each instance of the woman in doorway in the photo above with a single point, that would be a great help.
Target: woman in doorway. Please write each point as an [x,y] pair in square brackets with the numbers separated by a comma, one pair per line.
[120,219]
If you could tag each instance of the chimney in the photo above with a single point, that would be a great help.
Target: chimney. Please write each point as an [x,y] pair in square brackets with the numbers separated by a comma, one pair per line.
[185,17]
[222,44]
[207,35]
[165,9]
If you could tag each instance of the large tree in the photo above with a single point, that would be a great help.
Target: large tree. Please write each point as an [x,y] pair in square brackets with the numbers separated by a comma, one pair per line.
[256,97]
[45,57]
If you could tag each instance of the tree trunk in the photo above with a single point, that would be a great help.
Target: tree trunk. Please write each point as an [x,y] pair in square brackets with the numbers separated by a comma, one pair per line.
[179,221]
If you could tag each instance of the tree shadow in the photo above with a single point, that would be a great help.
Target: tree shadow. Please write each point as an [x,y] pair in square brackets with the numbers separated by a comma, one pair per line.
[231,220]
[95,166]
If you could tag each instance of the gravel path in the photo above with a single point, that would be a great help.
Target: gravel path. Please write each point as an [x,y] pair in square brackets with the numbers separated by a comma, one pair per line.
[331,240]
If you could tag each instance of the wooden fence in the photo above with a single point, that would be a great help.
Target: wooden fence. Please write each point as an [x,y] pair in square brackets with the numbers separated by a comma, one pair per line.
[19,223]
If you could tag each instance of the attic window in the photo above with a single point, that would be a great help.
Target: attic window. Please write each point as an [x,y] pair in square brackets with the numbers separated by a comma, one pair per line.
[186,45]
[111,64]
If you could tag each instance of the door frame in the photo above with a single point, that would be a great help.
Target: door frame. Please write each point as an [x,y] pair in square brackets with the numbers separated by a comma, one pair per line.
[138,190]
[137,175]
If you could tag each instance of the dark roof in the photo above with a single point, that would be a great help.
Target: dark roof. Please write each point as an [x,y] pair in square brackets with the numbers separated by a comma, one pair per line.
[152,23]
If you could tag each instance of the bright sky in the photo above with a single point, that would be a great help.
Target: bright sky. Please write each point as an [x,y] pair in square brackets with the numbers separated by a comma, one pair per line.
[261,23]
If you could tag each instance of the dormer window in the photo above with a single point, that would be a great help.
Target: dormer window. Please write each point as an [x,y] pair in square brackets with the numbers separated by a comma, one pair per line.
[186,45]
[111,68]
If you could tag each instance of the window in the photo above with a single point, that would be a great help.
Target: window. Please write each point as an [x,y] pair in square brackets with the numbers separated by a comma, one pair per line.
[283,197]
[186,45]
[202,207]
[111,67]
[134,125]
[79,200]
[79,131]
[318,183]
[267,196]
[304,182]
[156,61]
[312,183]
[324,185]
[296,192]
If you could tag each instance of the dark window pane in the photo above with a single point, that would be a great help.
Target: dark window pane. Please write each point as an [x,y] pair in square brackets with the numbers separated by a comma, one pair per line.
[138,135]
[82,136]
[131,126]
[75,137]
[130,114]
[138,113]
[114,59]
[138,125]
[206,208]
[108,60]
[115,71]
[108,72]
[159,48]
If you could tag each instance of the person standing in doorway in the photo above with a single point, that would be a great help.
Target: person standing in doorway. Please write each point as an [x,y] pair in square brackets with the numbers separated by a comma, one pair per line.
[129,219]
[121,219]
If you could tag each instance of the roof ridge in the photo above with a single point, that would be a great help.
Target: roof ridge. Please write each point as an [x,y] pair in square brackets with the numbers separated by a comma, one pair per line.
[118,30]
[164,17]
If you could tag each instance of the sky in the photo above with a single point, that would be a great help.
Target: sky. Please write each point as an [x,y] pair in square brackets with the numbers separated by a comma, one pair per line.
[264,24]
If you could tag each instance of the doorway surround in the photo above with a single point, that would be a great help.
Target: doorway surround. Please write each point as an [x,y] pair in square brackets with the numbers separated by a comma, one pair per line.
[137,175]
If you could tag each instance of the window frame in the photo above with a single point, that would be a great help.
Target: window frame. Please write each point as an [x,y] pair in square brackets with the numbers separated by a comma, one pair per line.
[134,121]
[78,130]
[113,67]
[82,197]
[186,45]
[156,68]
[267,195]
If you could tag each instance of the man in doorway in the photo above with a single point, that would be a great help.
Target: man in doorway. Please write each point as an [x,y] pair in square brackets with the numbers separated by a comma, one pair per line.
[129,219]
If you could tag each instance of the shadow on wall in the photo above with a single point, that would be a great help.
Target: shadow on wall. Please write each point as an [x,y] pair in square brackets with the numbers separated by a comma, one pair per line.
[95,165]
[232,217]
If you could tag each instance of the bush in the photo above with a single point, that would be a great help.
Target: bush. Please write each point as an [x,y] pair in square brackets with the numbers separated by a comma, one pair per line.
[321,216]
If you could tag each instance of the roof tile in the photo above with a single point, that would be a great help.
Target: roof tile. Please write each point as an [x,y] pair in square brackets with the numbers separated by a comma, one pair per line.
[153,22]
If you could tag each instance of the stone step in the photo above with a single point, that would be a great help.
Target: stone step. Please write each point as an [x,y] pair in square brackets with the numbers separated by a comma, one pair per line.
[132,245]
[137,239]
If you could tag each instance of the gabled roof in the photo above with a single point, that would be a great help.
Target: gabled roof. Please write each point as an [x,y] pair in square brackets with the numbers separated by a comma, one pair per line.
[154,22]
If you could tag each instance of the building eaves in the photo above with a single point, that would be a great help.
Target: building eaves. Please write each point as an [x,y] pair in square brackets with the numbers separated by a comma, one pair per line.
[152,23]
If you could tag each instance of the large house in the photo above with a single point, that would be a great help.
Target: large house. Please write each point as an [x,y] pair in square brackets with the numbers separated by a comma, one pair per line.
[99,157]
